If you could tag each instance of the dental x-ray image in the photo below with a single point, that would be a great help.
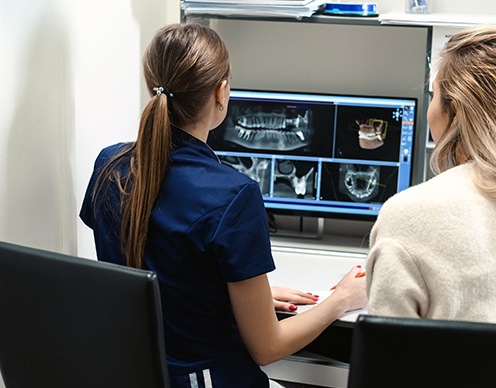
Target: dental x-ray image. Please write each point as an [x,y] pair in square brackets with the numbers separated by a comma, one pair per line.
[294,179]
[271,126]
[275,127]
[358,182]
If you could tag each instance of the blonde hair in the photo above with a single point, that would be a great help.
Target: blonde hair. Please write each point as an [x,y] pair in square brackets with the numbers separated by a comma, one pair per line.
[188,61]
[467,85]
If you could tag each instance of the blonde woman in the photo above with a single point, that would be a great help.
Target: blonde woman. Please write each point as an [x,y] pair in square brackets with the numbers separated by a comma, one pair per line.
[433,247]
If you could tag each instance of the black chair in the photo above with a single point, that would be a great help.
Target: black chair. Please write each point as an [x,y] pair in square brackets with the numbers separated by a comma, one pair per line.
[78,323]
[421,353]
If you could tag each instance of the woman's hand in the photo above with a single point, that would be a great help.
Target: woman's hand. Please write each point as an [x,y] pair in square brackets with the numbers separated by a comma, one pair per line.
[351,290]
[286,299]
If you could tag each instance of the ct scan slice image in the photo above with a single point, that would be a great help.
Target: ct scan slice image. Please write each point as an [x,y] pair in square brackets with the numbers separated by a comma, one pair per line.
[359,182]
[294,179]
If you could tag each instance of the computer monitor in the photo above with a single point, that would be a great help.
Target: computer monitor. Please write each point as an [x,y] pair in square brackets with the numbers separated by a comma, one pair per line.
[319,155]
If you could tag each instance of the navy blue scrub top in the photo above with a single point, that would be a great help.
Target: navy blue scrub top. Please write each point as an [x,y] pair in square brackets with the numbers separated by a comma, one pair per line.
[208,227]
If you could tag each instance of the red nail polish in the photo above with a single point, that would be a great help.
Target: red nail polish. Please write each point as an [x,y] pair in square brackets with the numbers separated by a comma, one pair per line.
[293,307]
[359,266]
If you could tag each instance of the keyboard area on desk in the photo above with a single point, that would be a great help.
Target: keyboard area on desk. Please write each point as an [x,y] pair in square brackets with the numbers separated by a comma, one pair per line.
[315,266]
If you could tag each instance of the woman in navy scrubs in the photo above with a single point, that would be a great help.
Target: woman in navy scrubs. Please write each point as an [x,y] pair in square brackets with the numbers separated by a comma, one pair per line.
[165,203]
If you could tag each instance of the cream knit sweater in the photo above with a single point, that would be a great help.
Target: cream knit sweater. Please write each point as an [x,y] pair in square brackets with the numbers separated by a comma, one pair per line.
[433,252]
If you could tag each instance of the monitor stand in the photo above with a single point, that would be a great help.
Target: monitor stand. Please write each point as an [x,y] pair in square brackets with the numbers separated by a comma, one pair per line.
[317,235]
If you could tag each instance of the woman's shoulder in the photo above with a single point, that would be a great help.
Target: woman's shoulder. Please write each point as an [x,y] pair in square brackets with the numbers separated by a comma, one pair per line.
[110,151]
[229,182]
[439,189]
[221,173]
[435,198]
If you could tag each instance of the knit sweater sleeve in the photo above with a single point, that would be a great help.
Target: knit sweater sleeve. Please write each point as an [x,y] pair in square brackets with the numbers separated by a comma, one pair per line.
[394,282]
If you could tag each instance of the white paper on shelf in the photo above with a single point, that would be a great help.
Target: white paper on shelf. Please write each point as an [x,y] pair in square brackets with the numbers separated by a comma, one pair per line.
[259,3]
[283,8]
[436,19]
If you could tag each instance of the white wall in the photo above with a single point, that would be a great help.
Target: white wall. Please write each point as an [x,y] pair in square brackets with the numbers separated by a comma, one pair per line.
[69,84]
[34,66]
[70,77]
[107,82]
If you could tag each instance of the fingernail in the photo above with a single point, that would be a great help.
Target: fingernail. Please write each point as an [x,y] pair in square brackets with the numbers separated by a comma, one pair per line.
[359,266]
[293,307]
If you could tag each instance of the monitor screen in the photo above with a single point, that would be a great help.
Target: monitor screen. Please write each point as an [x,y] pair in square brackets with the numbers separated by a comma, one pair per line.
[322,155]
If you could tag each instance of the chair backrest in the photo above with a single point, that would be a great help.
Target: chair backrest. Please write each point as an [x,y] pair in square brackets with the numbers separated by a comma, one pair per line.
[407,352]
[79,323]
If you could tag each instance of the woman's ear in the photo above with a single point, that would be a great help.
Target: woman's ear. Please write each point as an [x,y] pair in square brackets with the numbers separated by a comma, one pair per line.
[222,93]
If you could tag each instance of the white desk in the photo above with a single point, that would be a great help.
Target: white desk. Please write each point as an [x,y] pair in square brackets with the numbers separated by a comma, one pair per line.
[315,265]
[312,266]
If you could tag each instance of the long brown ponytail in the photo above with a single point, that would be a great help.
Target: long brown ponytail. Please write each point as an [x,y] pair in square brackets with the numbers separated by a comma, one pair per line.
[148,165]
[182,66]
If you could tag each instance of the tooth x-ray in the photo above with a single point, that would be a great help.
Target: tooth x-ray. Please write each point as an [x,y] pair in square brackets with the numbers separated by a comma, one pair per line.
[276,128]
[279,129]
[294,179]
[273,126]
[318,153]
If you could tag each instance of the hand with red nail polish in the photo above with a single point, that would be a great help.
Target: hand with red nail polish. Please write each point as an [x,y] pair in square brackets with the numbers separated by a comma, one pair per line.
[286,299]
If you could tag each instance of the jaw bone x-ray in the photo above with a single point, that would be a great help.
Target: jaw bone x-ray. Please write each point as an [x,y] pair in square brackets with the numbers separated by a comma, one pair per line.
[273,126]
[359,182]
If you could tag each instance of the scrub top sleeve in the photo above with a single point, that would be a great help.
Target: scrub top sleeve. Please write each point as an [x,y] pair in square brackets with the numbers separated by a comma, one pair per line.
[242,241]
[87,212]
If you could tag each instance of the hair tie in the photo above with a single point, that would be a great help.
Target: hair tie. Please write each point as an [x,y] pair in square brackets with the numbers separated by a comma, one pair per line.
[159,89]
